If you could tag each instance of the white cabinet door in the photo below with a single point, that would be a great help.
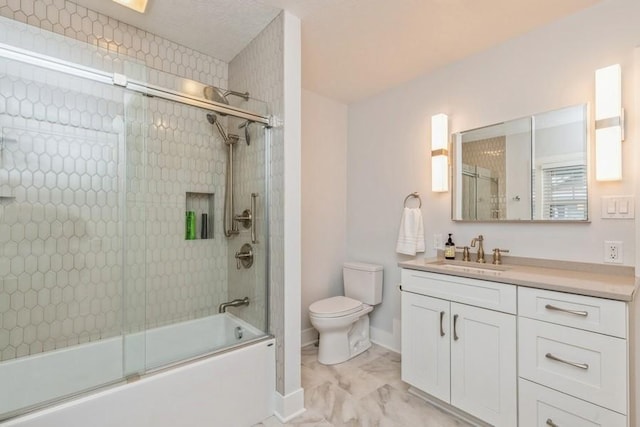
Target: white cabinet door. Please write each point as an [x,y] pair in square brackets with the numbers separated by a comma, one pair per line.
[425,344]
[483,364]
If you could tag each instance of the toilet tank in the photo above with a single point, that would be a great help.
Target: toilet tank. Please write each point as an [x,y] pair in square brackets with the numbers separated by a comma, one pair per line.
[363,282]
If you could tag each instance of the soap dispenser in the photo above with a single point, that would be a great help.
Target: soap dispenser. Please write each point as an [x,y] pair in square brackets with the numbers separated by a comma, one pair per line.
[449,249]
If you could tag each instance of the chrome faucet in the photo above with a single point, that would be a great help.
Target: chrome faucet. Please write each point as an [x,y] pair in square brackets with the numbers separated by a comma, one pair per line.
[480,257]
[235,303]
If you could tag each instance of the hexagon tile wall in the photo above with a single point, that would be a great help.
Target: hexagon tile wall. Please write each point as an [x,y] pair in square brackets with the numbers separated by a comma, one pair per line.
[67,148]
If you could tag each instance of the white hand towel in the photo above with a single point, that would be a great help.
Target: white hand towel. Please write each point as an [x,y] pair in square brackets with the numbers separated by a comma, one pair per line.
[411,234]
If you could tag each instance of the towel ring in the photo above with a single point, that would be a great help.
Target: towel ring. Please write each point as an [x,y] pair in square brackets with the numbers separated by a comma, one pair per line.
[414,195]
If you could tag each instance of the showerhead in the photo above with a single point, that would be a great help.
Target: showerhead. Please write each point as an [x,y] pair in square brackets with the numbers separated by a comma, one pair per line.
[212,118]
[218,95]
[215,94]
[247,135]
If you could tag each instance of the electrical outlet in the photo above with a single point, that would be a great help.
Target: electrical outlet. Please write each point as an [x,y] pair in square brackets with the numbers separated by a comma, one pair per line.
[613,251]
[438,243]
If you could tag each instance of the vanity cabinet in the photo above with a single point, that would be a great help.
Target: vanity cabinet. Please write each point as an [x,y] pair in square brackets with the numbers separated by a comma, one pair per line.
[459,343]
[572,352]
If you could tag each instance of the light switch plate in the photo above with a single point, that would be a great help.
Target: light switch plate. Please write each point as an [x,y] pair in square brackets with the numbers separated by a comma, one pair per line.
[618,207]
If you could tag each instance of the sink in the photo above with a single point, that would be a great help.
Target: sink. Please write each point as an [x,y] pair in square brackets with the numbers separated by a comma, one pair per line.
[469,267]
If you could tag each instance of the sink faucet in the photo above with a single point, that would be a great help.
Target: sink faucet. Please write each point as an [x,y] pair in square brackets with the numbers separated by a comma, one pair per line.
[479,239]
[235,303]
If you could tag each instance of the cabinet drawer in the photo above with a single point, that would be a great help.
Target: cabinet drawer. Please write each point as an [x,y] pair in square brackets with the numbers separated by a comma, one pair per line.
[479,293]
[579,311]
[543,407]
[583,364]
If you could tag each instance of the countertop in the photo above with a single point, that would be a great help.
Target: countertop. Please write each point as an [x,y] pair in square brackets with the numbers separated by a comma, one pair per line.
[583,279]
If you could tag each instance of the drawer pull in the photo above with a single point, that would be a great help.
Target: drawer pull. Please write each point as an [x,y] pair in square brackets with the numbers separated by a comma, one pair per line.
[455,332]
[566,310]
[441,327]
[550,423]
[557,359]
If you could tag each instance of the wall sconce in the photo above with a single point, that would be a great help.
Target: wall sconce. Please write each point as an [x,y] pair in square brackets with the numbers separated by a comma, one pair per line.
[439,153]
[609,123]
[137,5]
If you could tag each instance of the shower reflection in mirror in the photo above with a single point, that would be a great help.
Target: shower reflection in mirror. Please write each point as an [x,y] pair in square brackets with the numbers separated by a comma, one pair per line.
[532,168]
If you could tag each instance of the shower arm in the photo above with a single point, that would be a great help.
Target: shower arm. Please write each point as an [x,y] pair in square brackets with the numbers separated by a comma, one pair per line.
[243,95]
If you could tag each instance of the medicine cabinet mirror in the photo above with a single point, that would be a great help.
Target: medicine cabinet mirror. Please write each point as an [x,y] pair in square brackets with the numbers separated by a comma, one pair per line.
[529,169]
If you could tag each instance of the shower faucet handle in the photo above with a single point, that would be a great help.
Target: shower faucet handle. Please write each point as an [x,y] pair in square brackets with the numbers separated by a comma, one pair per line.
[244,257]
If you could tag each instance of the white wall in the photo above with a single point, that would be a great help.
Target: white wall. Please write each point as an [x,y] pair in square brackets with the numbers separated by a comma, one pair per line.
[388,149]
[324,201]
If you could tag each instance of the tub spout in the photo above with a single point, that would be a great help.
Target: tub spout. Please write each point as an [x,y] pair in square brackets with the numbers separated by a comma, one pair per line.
[235,303]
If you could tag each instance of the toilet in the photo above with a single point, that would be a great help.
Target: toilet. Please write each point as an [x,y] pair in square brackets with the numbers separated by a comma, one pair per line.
[343,321]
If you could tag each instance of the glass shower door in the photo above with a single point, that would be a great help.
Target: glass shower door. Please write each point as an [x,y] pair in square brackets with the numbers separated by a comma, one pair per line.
[62,215]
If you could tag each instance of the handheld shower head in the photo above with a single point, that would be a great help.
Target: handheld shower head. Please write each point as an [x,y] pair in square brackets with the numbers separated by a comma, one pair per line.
[229,139]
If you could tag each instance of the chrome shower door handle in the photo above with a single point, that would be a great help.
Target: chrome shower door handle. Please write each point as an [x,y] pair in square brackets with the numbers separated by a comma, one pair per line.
[455,331]
[441,327]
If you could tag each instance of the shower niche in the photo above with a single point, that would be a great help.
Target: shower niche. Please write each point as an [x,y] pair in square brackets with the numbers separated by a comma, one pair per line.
[201,206]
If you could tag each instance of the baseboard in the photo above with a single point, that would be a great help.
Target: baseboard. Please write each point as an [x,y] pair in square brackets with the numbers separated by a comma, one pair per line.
[385,339]
[290,406]
[308,336]
[470,419]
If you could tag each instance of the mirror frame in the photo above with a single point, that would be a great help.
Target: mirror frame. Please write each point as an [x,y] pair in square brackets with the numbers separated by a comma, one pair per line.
[455,160]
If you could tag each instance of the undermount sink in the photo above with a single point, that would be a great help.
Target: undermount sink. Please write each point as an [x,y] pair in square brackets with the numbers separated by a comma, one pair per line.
[491,270]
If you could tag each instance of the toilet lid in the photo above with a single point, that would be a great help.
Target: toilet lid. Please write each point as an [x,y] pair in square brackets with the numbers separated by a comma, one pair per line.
[335,307]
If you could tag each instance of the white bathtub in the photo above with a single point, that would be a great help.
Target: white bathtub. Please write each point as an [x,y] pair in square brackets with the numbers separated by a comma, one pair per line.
[232,388]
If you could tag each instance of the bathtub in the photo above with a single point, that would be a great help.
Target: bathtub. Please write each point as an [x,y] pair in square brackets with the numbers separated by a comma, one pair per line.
[232,386]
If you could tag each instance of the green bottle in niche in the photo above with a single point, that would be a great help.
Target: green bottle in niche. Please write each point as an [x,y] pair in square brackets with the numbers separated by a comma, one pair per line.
[190,226]
[449,249]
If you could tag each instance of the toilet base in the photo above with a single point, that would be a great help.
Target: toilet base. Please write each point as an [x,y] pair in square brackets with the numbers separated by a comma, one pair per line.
[337,346]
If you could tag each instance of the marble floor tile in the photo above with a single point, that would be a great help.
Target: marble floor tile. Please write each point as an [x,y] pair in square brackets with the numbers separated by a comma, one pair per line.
[384,368]
[365,391]
[310,418]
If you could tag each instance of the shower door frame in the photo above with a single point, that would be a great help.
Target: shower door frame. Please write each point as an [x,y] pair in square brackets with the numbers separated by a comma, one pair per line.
[120,80]
[117,79]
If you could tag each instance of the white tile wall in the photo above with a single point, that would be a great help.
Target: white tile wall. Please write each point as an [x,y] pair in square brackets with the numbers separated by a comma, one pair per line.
[260,69]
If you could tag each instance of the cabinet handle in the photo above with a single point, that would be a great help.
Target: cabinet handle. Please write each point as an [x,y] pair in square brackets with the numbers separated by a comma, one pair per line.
[455,332]
[566,310]
[441,327]
[558,359]
[550,423]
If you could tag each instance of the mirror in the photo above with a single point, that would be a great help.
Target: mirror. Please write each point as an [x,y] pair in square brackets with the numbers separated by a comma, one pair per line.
[528,169]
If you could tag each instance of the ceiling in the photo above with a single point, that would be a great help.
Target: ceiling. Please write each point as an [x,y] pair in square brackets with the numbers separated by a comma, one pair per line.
[351,49]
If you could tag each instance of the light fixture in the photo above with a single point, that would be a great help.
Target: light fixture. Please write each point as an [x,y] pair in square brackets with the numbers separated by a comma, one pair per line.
[439,153]
[137,5]
[609,124]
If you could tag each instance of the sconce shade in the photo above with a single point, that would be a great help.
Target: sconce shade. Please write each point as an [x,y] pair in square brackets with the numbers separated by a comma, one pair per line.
[137,5]
[609,123]
[439,153]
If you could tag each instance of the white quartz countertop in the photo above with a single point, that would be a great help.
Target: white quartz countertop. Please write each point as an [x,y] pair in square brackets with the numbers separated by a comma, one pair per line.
[591,279]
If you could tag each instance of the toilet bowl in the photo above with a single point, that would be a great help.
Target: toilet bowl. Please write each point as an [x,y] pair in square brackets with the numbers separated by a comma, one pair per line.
[343,321]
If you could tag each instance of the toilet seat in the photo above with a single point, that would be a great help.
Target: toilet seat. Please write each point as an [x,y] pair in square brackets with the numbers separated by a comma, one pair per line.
[335,307]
